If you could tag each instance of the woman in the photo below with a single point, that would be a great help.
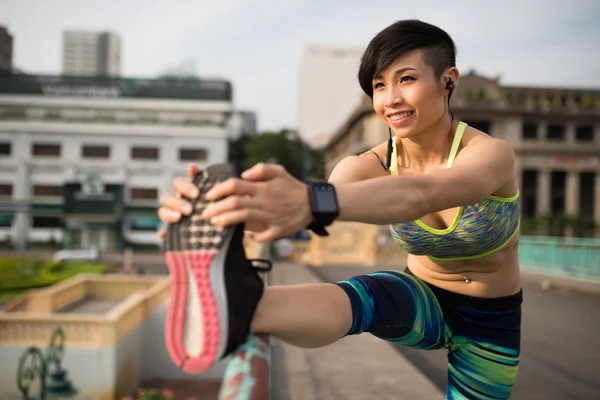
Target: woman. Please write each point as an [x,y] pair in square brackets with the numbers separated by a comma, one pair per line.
[450,196]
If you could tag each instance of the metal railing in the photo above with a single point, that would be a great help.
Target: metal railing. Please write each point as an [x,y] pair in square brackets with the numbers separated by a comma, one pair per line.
[247,374]
[575,258]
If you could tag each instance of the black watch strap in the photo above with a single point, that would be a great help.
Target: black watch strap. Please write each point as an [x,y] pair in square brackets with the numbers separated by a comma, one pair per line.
[318,229]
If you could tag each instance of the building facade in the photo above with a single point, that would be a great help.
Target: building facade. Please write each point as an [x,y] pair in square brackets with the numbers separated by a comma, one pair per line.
[329,91]
[555,133]
[84,161]
[88,53]
[6,50]
[242,123]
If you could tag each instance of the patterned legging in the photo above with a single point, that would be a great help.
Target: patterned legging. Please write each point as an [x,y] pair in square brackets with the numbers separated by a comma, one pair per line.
[482,336]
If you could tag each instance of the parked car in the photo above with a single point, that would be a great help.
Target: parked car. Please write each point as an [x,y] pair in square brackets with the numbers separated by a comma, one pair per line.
[85,254]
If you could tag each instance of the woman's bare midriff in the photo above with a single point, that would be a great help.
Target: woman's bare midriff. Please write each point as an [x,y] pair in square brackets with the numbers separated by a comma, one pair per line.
[496,275]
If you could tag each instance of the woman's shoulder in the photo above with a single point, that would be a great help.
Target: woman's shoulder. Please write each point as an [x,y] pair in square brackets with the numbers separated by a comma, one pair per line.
[473,136]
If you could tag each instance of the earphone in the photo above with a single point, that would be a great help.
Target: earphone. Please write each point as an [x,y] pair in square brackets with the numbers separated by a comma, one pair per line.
[449,85]
[450,89]
[390,148]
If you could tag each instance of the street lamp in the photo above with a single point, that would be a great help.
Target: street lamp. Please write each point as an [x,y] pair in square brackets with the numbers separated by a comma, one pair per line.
[34,364]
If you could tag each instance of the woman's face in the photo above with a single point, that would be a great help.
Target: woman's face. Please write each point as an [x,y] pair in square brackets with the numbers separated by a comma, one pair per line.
[408,97]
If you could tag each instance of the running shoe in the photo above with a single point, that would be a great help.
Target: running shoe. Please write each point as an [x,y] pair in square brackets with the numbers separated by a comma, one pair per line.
[214,288]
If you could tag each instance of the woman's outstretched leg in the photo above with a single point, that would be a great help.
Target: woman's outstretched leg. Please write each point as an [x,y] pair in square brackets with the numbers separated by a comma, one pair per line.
[310,315]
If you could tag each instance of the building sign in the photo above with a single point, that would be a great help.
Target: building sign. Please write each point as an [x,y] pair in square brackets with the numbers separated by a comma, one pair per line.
[92,187]
[581,162]
[81,91]
[92,196]
[103,87]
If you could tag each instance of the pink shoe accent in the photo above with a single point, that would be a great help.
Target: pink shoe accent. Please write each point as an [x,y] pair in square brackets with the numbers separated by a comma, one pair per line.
[199,262]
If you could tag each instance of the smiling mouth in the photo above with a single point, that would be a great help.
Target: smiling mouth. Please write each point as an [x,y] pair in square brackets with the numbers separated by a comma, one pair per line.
[399,116]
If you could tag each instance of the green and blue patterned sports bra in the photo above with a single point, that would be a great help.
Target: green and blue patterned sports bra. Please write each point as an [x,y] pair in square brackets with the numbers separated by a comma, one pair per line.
[477,230]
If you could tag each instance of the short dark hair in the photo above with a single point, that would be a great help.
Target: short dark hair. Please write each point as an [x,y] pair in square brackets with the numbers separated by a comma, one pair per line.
[401,38]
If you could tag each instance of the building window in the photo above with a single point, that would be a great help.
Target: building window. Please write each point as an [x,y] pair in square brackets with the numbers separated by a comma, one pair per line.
[45,150]
[587,202]
[46,222]
[563,101]
[47,190]
[530,130]
[5,149]
[556,132]
[529,187]
[144,225]
[144,194]
[483,126]
[584,134]
[192,154]
[95,151]
[558,181]
[6,189]
[144,153]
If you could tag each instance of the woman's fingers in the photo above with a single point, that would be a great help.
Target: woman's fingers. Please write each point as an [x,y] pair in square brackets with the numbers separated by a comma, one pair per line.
[192,170]
[185,188]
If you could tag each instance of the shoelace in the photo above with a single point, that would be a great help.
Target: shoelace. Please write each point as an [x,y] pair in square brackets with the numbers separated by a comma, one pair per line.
[261,264]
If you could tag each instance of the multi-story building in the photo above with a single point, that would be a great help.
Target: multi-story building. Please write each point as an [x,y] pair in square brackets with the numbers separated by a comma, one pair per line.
[6,50]
[555,133]
[242,123]
[85,160]
[88,53]
[329,91]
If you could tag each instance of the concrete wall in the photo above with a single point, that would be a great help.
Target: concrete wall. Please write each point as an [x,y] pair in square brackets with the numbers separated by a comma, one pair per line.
[102,372]
[128,363]
[89,369]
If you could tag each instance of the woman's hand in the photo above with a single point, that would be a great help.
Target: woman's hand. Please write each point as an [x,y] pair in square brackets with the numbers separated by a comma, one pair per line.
[173,206]
[268,199]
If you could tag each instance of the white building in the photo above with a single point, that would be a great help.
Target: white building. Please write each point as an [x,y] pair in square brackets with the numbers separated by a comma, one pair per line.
[88,53]
[85,161]
[329,91]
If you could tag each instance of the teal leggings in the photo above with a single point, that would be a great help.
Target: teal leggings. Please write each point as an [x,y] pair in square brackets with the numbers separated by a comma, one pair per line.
[482,336]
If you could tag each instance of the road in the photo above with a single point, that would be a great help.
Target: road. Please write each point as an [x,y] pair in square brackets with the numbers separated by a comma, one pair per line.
[560,356]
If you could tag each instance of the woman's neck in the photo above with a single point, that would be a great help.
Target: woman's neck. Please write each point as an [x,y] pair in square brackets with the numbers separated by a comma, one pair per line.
[430,147]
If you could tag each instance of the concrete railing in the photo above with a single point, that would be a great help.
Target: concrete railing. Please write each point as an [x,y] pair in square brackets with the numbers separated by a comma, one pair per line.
[575,258]
[369,245]
[29,321]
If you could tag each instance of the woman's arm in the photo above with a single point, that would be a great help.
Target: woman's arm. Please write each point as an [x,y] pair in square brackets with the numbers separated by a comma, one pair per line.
[270,197]
[478,171]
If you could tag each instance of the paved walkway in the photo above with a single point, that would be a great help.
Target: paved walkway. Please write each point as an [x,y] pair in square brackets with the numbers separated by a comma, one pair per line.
[357,367]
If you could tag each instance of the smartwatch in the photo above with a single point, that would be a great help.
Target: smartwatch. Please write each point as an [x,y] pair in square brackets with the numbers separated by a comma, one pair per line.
[323,206]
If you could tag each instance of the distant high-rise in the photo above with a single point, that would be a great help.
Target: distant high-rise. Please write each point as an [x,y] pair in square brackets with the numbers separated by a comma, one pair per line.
[6,47]
[242,123]
[88,53]
[329,91]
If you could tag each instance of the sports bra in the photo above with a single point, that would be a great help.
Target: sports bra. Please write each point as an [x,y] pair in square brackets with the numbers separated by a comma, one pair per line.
[477,230]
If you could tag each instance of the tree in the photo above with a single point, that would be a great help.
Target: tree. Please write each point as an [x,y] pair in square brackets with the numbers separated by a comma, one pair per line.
[559,224]
[283,147]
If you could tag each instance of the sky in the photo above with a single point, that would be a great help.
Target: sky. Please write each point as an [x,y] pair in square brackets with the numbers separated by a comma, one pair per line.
[257,44]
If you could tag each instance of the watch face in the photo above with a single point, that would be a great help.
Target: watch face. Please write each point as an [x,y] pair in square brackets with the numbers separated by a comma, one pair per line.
[325,199]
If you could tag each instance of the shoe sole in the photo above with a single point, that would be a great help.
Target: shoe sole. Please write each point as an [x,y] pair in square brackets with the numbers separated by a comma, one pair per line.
[196,327]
